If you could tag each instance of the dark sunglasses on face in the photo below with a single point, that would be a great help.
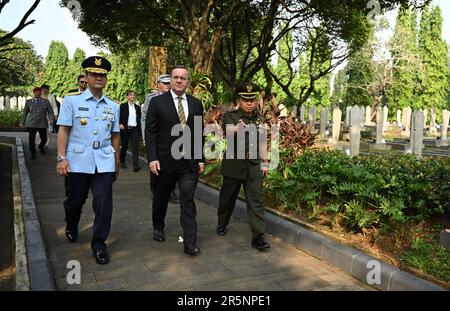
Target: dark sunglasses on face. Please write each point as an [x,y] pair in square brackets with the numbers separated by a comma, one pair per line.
[84,82]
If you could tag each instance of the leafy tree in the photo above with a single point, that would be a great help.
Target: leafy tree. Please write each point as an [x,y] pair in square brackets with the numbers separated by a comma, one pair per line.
[56,63]
[223,34]
[74,69]
[434,78]
[361,72]
[20,67]
[340,88]
[6,38]
[405,63]
[129,72]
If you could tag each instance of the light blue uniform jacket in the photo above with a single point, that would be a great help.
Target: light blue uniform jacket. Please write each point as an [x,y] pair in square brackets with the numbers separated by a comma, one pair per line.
[92,121]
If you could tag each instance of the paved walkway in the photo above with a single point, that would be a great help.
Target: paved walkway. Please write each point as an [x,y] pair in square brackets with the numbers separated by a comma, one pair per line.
[140,263]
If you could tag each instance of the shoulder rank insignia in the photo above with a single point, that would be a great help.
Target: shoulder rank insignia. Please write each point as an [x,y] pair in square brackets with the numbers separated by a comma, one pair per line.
[73,93]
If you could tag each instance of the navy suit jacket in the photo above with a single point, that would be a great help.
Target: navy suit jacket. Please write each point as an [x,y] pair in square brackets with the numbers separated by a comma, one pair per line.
[161,117]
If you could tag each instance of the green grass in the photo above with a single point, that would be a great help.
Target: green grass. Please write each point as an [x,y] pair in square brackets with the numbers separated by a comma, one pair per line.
[427,255]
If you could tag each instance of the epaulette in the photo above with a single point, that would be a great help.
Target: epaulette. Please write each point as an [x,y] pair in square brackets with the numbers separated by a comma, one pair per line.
[73,93]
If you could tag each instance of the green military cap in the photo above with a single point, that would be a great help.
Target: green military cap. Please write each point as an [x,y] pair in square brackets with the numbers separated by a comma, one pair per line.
[96,64]
[247,90]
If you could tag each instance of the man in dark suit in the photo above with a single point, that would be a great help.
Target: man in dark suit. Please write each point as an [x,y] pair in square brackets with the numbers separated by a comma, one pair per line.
[175,112]
[130,128]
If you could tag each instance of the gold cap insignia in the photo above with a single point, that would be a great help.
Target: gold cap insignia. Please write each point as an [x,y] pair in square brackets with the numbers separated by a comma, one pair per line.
[98,62]
[249,87]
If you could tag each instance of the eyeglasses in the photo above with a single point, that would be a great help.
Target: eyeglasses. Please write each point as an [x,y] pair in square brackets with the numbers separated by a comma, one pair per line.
[183,78]
[84,82]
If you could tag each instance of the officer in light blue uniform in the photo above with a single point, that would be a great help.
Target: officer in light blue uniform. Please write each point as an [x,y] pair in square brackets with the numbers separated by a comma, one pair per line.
[88,146]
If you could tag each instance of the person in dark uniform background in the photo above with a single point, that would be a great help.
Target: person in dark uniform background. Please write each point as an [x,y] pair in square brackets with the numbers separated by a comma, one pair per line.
[243,165]
[88,153]
[130,128]
[36,117]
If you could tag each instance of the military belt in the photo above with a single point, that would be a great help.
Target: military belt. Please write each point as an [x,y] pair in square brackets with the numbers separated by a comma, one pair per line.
[97,144]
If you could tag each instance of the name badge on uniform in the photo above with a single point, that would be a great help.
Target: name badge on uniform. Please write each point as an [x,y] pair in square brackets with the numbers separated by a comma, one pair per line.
[83,108]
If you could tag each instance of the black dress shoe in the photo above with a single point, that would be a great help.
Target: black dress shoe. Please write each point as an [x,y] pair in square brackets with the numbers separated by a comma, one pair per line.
[71,235]
[221,230]
[158,235]
[192,250]
[42,151]
[123,165]
[260,243]
[137,169]
[101,257]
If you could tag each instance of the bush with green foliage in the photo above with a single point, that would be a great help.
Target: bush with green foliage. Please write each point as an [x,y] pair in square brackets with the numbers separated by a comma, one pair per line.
[367,191]
[10,118]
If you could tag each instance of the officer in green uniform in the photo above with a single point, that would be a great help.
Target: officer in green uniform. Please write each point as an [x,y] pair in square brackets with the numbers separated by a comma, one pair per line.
[243,165]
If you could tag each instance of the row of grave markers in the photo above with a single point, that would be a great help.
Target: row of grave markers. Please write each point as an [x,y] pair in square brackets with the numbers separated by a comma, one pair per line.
[412,124]
[13,103]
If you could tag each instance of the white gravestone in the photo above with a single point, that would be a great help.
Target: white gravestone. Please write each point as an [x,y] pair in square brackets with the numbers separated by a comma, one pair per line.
[443,140]
[355,130]
[416,137]
[337,117]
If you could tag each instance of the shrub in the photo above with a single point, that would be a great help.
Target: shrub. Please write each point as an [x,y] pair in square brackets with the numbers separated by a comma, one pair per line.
[10,118]
[368,191]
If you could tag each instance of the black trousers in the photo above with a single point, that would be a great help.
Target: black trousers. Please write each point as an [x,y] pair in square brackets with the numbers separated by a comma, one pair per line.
[78,185]
[32,137]
[164,184]
[125,135]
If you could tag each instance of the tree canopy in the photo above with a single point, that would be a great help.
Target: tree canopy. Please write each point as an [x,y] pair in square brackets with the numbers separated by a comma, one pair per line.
[220,38]
[20,67]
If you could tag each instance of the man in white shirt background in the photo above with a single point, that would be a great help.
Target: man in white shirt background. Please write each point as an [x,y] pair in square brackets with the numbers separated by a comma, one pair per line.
[130,128]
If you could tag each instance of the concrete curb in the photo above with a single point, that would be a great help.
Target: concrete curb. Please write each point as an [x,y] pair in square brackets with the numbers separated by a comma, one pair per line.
[22,276]
[40,273]
[353,261]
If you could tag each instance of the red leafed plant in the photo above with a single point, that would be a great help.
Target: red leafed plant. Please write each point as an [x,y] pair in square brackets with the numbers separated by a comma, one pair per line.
[294,136]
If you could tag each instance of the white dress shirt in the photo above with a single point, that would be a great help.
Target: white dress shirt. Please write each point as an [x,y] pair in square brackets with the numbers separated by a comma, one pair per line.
[132,115]
[183,102]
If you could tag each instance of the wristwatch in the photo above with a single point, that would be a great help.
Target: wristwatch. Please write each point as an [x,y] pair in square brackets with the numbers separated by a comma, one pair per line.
[60,158]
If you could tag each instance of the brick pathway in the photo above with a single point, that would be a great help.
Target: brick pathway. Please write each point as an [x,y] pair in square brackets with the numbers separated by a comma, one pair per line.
[139,263]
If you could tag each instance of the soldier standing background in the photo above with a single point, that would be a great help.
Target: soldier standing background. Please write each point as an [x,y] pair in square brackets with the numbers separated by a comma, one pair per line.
[247,169]
[88,153]
[37,115]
